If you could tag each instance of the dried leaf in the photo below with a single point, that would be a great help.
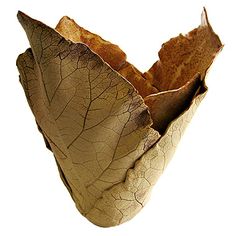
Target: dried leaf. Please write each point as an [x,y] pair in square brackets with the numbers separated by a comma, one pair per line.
[109,52]
[183,57]
[83,97]
[167,105]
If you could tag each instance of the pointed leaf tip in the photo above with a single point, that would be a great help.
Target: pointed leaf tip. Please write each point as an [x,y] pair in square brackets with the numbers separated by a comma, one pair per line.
[204,18]
[22,17]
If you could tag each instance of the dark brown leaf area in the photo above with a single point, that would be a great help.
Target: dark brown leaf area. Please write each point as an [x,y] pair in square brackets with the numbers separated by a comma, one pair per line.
[166,106]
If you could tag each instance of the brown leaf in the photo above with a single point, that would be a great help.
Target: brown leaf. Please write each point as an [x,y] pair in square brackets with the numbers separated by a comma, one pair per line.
[126,199]
[183,57]
[82,94]
[94,121]
[109,52]
[166,106]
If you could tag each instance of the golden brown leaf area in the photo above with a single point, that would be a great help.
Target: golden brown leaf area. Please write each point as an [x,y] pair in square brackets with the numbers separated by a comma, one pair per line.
[111,128]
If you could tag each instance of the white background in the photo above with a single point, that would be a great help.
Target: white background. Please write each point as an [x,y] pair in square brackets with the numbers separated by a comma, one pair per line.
[196,195]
